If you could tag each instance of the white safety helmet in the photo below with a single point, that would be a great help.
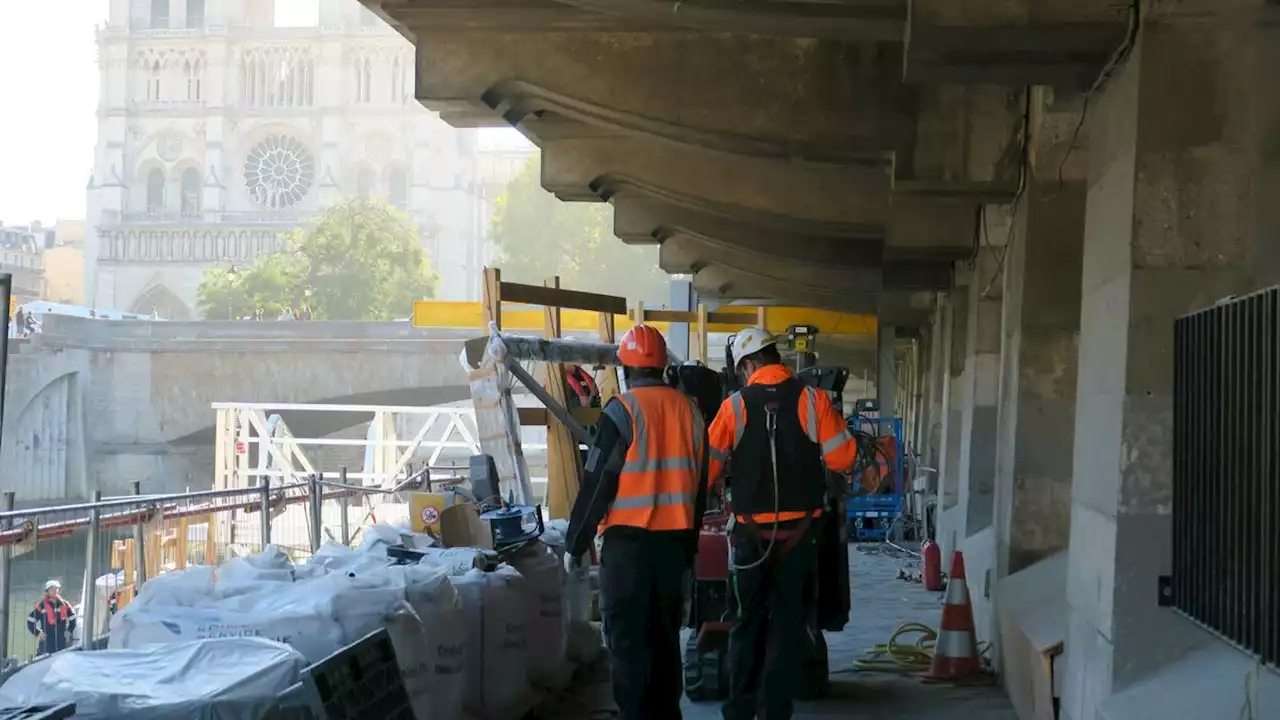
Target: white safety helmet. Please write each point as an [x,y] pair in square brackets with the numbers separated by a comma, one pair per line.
[748,341]
[52,585]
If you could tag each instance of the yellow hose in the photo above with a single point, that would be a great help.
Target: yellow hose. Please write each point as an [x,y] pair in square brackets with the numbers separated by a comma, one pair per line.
[907,657]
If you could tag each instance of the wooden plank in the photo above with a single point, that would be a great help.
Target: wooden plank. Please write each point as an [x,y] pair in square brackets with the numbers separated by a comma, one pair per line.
[537,417]
[609,387]
[491,302]
[564,466]
[555,297]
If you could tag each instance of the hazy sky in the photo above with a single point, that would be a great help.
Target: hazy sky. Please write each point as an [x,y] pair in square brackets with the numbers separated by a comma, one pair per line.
[49,86]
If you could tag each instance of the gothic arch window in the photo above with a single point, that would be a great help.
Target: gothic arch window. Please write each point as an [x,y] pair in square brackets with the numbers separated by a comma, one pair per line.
[195,13]
[193,68]
[365,182]
[397,80]
[159,14]
[155,76]
[398,188]
[160,300]
[190,192]
[364,80]
[279,172]
[155,192]
[277,76]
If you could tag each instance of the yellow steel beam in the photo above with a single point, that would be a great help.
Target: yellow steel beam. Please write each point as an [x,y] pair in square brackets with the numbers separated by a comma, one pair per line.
[451,314]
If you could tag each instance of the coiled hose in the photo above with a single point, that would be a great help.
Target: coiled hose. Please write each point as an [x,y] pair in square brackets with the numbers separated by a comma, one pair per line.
[905,657]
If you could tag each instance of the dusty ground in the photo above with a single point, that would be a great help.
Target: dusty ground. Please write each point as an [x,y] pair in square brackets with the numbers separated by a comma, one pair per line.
[881,603]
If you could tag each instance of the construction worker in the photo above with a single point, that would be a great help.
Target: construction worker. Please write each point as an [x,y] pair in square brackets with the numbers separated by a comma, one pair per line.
[644,487]
[53,621]
[779,433]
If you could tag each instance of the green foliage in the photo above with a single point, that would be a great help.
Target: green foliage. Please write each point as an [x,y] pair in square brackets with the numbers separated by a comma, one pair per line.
[359,260]
[539,236]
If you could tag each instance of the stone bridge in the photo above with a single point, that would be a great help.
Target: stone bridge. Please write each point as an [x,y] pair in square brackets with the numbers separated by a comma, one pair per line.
[96,404]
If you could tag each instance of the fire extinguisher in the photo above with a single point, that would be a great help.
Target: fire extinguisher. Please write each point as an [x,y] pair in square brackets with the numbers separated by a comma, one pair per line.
[932,556]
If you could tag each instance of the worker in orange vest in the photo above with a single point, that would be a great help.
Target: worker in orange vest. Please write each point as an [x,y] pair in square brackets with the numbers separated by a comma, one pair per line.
[780,433]
[644,487]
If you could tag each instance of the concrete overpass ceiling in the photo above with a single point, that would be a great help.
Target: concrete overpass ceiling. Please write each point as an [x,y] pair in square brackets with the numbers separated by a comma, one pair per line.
[773,148]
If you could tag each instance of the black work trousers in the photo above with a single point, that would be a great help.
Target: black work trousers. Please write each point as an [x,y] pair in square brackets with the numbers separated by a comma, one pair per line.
[642,578]
[769,644]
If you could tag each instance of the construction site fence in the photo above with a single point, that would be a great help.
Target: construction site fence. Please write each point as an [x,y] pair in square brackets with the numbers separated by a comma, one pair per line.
[103,551]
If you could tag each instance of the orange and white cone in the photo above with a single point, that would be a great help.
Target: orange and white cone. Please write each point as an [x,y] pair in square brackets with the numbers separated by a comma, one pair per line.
[955,654]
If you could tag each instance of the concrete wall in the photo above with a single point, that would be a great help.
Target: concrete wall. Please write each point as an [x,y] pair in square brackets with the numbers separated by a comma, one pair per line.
[99,404]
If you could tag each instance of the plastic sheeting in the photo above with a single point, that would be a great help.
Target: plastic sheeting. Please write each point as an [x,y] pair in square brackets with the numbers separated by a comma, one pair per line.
[209,680]
[497,422]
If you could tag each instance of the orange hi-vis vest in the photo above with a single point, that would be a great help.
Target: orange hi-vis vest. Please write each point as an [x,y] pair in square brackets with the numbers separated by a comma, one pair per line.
[662,470]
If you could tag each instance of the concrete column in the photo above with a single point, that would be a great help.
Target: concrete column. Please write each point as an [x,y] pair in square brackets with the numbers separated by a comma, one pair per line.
[939,345]
[979,392]
[1038,374]
[1181,211]
[680,298]
[886,371]
[957,321]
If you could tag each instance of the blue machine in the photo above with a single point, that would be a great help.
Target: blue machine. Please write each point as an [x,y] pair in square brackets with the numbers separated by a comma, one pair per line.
[871,515]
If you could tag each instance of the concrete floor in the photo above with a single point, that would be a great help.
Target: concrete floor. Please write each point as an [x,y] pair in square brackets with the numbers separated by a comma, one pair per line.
[881,603]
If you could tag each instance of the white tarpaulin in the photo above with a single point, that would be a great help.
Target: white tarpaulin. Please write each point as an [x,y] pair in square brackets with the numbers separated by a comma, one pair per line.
[497,421]
[223,678]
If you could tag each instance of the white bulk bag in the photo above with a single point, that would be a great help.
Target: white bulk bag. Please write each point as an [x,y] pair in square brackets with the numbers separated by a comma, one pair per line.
[182,588]
[544,584]
[246,574]
[224,678]
[454,561]
[298,614]
[440,678]
[497,650]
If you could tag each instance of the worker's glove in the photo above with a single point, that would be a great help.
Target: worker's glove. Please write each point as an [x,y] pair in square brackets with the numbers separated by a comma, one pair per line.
[572,563]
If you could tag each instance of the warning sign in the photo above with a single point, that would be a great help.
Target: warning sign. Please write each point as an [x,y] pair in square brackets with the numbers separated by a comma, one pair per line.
[240,448]
[430,515]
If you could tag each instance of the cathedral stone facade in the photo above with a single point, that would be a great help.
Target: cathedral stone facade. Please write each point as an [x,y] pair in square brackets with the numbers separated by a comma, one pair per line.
[219,131]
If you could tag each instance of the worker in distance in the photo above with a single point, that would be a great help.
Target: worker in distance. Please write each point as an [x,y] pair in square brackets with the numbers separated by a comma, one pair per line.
[644,489]
[779,433]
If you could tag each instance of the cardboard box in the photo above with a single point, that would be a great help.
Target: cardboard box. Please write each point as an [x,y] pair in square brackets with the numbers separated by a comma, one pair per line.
[426,508]
[461,526]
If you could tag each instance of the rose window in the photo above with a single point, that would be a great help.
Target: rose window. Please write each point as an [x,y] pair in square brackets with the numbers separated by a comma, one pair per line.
[279,172]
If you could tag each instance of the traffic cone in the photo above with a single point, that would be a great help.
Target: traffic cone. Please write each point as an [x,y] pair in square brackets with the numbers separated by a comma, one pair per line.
[955,654]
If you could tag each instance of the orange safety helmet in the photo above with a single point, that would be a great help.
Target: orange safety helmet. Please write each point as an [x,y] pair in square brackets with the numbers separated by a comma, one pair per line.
[644,347]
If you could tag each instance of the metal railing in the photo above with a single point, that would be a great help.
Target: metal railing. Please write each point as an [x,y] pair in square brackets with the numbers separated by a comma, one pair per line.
[1226,472]
[103,551]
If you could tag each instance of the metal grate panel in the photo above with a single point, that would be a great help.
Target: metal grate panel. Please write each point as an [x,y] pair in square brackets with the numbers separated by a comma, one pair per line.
[1226,471]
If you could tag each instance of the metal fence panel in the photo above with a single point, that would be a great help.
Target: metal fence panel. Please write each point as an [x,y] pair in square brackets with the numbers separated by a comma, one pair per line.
[1226,464]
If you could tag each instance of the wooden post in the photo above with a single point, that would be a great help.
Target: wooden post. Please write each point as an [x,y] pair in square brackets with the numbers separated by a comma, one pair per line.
[701,344]
[609,387]
[564,463]
[491,303]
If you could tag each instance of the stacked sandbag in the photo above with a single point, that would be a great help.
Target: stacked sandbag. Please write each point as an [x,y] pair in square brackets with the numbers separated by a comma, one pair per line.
[332,601]
[431,645]
[495,604]
[545,586]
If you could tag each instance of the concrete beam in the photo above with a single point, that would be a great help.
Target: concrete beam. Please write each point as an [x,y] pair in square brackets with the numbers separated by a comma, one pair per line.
[803,100]
[1062,43]
[875,20]
[582,168]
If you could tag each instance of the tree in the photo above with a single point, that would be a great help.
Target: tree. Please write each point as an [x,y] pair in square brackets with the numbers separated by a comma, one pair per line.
[359,260]
[538,236]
